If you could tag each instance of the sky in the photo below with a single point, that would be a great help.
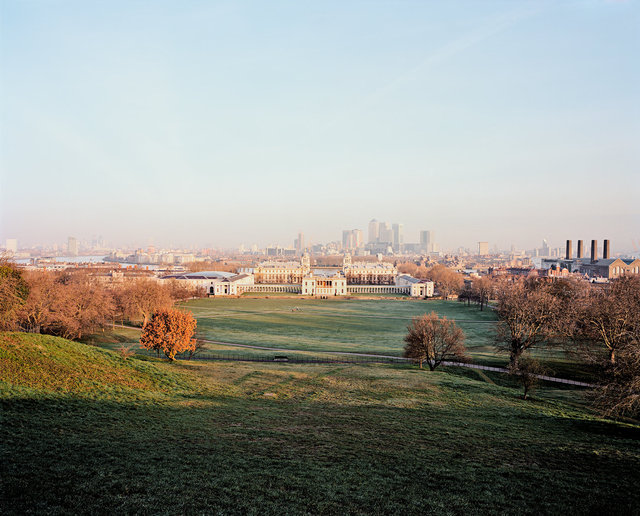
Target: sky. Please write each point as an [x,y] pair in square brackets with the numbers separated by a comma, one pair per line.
[224,123]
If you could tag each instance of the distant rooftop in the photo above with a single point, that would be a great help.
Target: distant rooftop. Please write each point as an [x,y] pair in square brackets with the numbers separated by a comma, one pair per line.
[201,275]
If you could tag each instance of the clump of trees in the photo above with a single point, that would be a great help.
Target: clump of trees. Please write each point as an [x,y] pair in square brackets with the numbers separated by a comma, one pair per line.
[447,281]
[432,339]
[169,331]
[137,301]
[74,304]
[600,323]
[14,292]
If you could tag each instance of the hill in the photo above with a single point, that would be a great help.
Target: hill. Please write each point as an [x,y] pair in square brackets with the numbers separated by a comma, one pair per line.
[85,431]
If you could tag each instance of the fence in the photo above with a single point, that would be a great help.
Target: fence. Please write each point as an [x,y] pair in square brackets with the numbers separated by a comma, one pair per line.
[349,359]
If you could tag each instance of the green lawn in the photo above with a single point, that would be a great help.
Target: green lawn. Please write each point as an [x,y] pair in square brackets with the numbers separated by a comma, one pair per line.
[84,431]
[367,326]
[354,325]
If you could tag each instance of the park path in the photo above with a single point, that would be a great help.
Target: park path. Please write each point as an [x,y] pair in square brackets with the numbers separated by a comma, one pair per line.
[393,357]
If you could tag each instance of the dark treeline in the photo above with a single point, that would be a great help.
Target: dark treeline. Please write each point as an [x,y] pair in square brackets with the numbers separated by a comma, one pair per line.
[75,303]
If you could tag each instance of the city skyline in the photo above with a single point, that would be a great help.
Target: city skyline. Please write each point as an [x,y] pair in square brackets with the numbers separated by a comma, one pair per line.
[353,240]
[220,124]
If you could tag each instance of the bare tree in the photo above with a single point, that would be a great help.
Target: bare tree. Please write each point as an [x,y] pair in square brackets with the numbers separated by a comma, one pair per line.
[611,317]
[482,290]
[527,372]
[434,340]
[619,391]
[527,313]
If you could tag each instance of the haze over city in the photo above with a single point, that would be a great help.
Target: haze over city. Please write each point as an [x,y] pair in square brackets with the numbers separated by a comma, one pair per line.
[217,124]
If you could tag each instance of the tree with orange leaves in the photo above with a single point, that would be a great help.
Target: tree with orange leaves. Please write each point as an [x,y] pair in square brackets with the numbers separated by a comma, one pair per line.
[169,331]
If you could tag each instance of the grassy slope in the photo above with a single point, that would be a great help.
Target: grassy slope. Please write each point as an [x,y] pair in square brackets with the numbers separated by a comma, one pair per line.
[85,431]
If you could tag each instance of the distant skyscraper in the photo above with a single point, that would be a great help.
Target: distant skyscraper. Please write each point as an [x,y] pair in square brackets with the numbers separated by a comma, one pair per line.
[346,239]
[351,239]
[483,248]
[299,244]
[545,251]
[398,236]
[359,240]
[425,240]
[72,246]
[385,233]
[12,245]
[374,231]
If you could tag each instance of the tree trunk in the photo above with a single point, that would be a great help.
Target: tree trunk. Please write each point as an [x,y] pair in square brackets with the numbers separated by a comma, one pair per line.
[612,356]
[513,358]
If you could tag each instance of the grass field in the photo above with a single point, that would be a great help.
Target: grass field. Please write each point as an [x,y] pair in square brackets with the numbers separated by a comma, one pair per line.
[368,326]
[84,431]
[354,325]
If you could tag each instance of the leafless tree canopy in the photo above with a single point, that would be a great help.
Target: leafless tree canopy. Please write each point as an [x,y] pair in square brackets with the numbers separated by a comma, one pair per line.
[610,317]
[527,312]
[434,340]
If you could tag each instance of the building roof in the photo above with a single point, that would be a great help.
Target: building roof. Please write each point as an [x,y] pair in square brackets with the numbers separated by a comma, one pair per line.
[203,275]
[409,278]
[280,265]
[238,277]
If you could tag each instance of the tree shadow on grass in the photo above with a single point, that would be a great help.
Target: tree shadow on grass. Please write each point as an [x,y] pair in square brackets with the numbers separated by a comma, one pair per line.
[244,456]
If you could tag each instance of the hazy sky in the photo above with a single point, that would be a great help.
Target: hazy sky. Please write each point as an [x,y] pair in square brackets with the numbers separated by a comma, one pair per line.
[220,123]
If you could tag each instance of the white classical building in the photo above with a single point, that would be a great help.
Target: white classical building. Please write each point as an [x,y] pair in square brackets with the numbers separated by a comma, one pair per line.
[324,286]
[418,287]
[215,283]
[368,273]
[282,272]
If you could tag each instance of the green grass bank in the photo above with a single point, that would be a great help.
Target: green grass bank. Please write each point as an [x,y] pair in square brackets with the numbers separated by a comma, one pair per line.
[85,431]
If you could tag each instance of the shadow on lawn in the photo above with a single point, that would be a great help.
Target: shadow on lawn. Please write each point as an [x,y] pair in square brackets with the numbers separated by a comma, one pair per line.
[271,456]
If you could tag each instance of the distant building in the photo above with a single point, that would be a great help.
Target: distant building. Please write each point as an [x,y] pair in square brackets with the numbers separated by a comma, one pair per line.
[610,268]
[282,272]
[12,246]
[385,234]
[398,236]
[419,287]
[72,246]
[426,240]
[374,231]
[351,239]
[299,244]
[483,248]
[215,283]
[367,273]
[324,286]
